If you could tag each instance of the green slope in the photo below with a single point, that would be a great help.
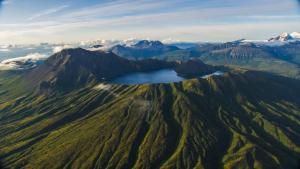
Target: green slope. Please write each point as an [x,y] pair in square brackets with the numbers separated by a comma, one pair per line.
[238,121]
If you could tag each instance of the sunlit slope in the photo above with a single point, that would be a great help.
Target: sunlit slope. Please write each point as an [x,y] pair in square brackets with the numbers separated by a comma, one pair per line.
[240,120]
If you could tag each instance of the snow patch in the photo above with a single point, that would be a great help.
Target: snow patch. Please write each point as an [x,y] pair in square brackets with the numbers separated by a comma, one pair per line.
[217,73]
[102,86]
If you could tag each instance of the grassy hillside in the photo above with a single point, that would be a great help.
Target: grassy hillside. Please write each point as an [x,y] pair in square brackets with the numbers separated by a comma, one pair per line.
[12,85]
[236,121]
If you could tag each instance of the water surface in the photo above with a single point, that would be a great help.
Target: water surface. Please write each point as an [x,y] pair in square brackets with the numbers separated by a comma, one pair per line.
[160,76]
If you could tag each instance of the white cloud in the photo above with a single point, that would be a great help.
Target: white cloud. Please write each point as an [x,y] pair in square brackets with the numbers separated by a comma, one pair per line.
[21,63]
[48,12]
[274,16]
[29,57]
[170,40]
[120,8]
[4,50]
[57,49]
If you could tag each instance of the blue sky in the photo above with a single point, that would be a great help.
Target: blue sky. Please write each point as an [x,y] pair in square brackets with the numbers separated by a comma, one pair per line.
[34,21]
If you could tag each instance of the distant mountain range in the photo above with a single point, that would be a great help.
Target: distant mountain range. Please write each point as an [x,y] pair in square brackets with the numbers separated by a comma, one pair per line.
[143,49]
[280,55]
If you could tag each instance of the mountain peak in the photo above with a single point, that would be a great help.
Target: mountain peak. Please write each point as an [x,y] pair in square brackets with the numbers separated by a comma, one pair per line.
[286,37]
[295,35]
[194,68]
[147,44]
[284,34]
[143,49]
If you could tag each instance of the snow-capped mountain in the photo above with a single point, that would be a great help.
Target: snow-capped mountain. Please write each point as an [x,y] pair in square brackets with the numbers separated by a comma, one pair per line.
[148,44]
[295,35]
[106,44]
[282,39]
[286,37]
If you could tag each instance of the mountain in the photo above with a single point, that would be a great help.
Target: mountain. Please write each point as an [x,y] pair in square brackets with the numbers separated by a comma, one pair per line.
[194,68]
[286,37]
[295,35]
[72,68]
[184,45]
[142,50]
[243,119]
[148,44]
[283,59]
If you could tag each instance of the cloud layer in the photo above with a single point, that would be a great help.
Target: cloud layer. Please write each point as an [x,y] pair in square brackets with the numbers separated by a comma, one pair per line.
[21,63]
